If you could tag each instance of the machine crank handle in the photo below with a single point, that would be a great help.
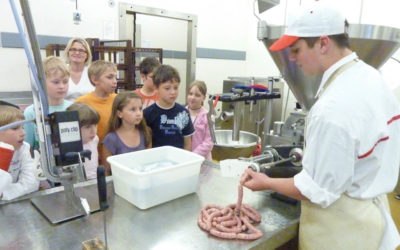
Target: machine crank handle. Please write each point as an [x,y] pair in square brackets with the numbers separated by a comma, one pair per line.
[102,188]
[74,156]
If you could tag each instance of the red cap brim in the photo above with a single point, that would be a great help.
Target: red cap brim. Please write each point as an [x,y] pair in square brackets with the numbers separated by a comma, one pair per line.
[283,42]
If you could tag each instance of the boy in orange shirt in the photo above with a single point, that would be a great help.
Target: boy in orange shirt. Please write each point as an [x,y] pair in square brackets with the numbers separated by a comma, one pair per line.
[148,92]
[103,76]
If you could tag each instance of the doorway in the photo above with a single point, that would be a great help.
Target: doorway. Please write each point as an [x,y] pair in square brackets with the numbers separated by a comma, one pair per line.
[174,32]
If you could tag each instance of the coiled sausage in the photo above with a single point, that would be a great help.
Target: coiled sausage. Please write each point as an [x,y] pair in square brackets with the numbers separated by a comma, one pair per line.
[232,222]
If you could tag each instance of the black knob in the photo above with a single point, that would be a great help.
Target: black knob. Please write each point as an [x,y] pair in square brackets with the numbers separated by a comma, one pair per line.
[102,187]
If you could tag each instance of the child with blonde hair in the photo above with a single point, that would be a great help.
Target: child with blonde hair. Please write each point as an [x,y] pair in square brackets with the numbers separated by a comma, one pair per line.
[103,76]
[57,77]
[202,143]
[88,119]
[127,130]
[20,179]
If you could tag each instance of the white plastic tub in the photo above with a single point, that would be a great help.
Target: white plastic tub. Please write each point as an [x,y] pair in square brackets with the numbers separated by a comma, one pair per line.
[153,176]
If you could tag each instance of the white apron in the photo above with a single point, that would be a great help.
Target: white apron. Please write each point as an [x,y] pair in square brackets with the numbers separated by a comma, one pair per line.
[348,223]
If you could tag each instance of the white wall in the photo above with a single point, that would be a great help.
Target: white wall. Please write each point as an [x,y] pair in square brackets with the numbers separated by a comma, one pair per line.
[55,18]
[222,24]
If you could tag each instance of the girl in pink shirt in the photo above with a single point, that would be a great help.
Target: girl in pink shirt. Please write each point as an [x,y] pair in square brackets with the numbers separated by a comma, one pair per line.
[202,143]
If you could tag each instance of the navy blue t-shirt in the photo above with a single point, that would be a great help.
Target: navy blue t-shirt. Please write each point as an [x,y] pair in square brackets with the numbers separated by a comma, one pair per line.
[169,126]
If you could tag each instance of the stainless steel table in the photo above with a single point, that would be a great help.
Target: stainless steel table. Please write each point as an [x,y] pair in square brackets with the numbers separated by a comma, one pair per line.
[172,225]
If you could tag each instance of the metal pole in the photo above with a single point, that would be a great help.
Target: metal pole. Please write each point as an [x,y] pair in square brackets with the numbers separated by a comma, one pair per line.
[191,48]
[34,43]
[268,114]
[47,153]
[15,124]
[237,119]
[361,11]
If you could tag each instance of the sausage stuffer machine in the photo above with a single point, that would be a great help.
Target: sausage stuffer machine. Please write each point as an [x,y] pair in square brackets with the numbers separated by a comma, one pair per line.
[277,143]
[60,143]
[238,142]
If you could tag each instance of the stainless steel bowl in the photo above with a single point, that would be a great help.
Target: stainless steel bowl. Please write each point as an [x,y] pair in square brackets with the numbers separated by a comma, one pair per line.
[225,148]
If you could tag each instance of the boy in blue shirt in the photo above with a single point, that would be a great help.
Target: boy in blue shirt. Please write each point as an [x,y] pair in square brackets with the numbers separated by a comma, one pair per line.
[57,77]
[170,122]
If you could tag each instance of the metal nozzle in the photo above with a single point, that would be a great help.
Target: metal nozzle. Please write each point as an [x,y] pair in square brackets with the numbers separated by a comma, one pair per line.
[295,157]
[296,154]
[227,116]
[255,167]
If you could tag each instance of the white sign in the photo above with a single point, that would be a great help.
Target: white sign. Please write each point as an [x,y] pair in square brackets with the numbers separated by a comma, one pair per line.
[69,131]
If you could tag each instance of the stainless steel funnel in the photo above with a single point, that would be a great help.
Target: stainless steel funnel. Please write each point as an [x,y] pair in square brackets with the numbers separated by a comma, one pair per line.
[373,44]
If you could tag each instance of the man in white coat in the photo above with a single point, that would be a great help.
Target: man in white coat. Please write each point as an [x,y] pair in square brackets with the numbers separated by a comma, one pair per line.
[352,154]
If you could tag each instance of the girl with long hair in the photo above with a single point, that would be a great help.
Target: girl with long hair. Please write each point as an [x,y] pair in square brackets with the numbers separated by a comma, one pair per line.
[127,130]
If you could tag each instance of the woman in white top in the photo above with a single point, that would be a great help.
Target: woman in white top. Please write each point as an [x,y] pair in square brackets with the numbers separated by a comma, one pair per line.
[78,56]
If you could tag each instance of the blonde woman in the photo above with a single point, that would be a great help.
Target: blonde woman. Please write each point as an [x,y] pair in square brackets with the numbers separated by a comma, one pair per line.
[78,56]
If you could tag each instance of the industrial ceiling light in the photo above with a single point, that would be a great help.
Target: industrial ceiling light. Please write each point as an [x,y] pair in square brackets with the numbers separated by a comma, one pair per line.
[76,15]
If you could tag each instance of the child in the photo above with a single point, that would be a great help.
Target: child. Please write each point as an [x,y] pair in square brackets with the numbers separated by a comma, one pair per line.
[57,77]
[202,143]
[127,130]
[148,91]
[103,76]
[21,176]
[169,121]
[88,119]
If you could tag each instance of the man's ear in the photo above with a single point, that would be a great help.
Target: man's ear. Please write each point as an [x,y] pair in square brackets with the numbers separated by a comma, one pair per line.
[143,76]
[324,44]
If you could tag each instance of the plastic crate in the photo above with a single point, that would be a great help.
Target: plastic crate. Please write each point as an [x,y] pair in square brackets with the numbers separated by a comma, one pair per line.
[150,177]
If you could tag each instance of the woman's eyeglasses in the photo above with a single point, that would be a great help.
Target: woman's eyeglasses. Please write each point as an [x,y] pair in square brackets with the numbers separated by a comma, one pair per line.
[80,51]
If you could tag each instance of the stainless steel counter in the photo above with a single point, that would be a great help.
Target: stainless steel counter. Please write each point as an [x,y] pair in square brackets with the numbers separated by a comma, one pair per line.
[172,225]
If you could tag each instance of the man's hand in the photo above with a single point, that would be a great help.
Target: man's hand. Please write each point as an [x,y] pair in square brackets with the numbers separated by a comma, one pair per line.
[254,181]
[260,181]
